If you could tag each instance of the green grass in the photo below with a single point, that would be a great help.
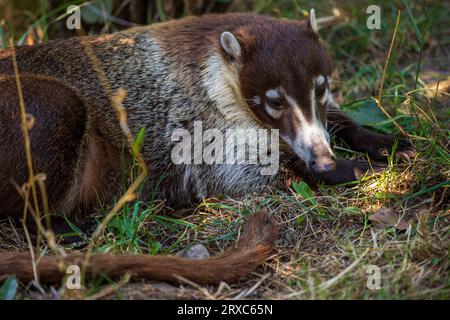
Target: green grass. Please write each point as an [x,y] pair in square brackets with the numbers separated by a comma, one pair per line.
[323,233]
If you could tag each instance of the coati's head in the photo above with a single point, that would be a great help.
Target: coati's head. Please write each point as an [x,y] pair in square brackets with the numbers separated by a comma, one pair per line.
[284,75]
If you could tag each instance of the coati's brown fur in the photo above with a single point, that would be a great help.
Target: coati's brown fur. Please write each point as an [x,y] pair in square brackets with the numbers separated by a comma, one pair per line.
[174,73]
[80,166]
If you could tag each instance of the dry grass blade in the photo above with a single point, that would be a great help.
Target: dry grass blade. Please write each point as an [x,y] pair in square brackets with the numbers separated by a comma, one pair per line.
[386,63]
[130,194]
[26,125]
[117,102]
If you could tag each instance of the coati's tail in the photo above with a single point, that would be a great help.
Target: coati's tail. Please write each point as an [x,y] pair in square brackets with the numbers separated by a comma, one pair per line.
[251,250]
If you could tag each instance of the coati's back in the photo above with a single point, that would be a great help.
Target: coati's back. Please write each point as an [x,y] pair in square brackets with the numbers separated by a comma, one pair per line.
[143,60]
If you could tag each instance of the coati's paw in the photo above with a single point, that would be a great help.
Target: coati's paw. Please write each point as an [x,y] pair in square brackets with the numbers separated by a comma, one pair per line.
[362,168]
[350,171]
[379,147]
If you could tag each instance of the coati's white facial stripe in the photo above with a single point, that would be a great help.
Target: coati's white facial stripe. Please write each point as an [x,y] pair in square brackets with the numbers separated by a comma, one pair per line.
[330,103]
[315,119]
[326,99]
[309,133]
[312,97]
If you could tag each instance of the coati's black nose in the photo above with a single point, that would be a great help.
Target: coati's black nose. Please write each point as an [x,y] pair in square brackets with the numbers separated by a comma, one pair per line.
[322,164]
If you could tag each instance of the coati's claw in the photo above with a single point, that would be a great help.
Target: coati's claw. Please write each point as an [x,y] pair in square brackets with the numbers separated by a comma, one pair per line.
[405,155]
[405,151]
[380,148]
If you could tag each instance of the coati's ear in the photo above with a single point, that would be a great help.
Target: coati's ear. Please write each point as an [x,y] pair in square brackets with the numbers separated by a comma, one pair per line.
[231,45]
[312,22]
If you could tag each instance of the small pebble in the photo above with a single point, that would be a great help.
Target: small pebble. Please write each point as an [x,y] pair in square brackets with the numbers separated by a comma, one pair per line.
[196,252]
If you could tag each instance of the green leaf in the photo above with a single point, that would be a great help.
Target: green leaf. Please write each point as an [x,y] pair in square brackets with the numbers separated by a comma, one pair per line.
[3,43]
[175,221]
[43,21]
[9,289]
[352,210]
[429,189]
[435,261]
[413,21]
[160,8]
[300,219]
[365,112]
[304,191]
[138,142]
[22,39]
[154,248]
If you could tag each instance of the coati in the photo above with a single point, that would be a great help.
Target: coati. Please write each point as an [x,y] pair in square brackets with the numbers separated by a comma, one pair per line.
[229,71]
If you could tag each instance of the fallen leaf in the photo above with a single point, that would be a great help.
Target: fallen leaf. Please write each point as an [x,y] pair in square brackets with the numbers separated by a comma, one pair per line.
[387,217]
[444,87]
[365,112]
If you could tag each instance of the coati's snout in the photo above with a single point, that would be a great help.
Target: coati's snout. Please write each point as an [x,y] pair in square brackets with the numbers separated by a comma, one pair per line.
[321,161]
[284,75]
[311,142]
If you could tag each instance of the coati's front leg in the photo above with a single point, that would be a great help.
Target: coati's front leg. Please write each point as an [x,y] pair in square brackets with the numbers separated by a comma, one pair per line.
[363,140]
[347,170]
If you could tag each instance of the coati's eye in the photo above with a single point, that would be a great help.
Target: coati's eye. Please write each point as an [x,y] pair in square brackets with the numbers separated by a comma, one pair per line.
[321,84]
[275,103]
[320,90]
[274,99]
